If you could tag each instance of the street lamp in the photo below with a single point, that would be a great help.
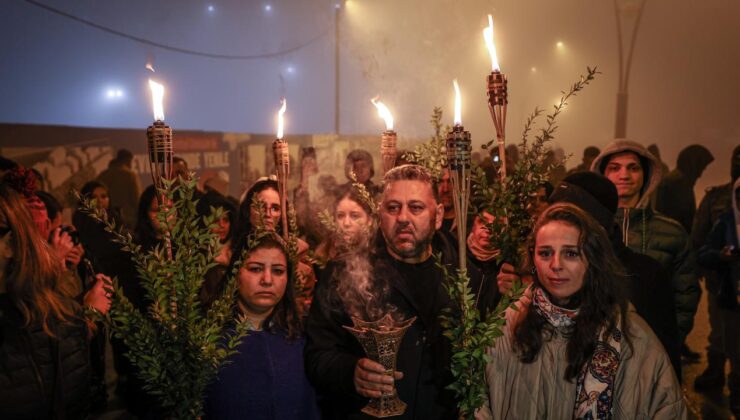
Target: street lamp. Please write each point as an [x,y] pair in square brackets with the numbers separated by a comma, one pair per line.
[626,9]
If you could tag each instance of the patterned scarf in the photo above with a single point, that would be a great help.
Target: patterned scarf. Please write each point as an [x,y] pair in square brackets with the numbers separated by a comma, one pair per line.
[595,386]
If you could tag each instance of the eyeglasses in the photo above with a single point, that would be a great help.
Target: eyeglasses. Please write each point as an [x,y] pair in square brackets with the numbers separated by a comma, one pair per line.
[4,230]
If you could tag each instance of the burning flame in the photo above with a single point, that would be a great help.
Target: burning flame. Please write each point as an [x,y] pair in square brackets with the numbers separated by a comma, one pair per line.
[157,100]
[488,36]
[281,118]
[458,106]
[384,113]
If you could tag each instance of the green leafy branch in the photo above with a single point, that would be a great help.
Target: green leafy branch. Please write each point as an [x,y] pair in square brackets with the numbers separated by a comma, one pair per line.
[431,154]
[509,202]
[177,347]
[471,335]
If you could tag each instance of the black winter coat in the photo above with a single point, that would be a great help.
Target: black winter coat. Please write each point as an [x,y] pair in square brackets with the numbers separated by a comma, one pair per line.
[650,291]
[331,352]
[41,377]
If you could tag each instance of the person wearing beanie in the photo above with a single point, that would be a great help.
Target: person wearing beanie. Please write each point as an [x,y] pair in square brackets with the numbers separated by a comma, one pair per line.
[649,285]
[636,174]
[716,201]
[675,194]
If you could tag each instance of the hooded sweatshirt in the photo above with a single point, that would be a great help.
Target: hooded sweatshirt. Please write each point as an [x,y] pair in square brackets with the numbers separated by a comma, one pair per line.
[653,234]
[675,194]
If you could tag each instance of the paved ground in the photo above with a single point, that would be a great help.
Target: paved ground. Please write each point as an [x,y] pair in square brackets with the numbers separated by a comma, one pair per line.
[708,406]
[712,406]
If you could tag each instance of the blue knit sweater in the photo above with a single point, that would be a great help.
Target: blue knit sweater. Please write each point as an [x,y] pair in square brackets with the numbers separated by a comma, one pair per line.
[265,380]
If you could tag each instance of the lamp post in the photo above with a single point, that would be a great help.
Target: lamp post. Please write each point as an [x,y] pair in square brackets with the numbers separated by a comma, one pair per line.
[623,8]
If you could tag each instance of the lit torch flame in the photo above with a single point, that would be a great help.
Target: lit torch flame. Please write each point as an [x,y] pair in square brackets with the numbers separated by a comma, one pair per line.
[458,106]
[384,113]
[488,36]
[281,118]
[157,100]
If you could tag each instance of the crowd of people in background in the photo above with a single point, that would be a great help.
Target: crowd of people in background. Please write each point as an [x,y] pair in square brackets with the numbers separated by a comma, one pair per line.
[612,267]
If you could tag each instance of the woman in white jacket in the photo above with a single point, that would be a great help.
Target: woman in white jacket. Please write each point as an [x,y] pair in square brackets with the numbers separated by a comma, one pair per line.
[575,349]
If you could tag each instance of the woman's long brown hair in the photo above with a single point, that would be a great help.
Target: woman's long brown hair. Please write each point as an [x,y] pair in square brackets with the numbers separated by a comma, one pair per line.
[34,278]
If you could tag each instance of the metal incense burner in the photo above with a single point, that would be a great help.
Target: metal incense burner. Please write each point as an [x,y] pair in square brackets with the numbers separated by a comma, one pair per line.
[381,339]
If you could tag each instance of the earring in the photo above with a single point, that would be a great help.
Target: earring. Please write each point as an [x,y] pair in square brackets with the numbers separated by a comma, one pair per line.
[533,271]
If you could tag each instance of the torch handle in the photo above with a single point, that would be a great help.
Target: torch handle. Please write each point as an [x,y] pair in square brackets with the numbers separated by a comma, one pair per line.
[282,165]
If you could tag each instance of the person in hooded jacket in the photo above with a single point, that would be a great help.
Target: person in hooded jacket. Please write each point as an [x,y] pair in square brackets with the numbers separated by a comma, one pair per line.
[716,201]
[721,252]
[675,194]
[636,173]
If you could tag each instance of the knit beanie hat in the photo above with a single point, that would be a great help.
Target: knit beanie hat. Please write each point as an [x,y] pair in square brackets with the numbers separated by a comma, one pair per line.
[593,193]
[24,181]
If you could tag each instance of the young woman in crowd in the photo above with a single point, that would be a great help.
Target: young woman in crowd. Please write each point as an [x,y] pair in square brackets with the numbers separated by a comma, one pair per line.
[354,223]
[575,349]
[265,379]
[224,226]
[44,365]
[104,256]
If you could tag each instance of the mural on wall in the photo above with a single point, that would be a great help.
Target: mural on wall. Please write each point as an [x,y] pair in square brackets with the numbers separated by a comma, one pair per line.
[68,157]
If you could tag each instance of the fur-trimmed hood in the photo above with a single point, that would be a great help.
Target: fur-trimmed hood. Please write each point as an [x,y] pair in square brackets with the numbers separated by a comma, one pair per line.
[650,165]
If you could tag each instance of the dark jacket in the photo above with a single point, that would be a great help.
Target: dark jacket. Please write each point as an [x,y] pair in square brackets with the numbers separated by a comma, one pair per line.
[332,352]
[649,289]
[42,377]
[483,283]
[722,234]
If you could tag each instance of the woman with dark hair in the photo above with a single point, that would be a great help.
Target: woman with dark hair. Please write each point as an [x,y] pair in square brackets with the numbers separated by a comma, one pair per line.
[354,227]
[44,366]
[104,256]
[148,232]
[265,378]
[224,226]
[574,348]
[265,192]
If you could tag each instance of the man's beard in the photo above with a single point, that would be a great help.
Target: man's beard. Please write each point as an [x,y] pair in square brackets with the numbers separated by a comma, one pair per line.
[420,245]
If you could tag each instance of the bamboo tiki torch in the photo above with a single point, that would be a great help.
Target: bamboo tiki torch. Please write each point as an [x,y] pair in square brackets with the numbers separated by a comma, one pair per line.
[459,147]
[282,166]
[388,140]
[497,97]
[159,145]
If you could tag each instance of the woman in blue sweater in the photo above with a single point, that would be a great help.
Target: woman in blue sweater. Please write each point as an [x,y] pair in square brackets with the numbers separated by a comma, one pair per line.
[265,379]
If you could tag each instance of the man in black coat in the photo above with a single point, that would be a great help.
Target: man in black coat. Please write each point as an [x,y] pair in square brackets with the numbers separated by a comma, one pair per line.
[649,289]
[403,276]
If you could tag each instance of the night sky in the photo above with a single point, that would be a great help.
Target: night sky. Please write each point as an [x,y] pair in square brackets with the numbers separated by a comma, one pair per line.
[684,85]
